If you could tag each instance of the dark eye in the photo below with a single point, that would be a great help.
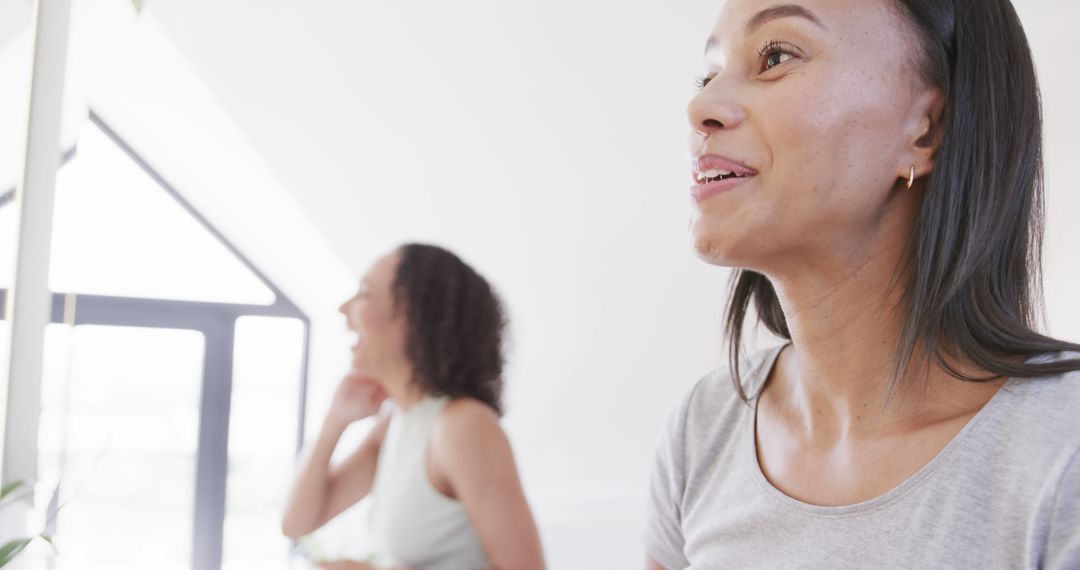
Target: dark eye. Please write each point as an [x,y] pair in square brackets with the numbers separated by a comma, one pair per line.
[702,81]
[776,58]
[773,54]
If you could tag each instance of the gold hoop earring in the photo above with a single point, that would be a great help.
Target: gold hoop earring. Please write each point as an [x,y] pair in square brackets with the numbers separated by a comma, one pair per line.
[911,177]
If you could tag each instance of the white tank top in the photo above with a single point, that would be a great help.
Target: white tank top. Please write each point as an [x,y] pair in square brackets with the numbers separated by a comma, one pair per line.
[411,522]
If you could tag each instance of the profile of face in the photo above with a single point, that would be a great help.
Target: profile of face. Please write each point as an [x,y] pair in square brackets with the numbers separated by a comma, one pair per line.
[379,323]
[809,117]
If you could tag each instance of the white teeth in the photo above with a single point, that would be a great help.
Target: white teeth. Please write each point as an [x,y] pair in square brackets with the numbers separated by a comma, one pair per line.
[714,173]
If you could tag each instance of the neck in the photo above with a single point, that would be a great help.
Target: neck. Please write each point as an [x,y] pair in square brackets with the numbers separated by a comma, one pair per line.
[844,315]
[401,389]
[844,337]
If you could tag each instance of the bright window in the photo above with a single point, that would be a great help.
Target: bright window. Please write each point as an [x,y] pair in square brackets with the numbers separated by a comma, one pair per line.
[170,410]
[119,428]
[115,232]
[262,448]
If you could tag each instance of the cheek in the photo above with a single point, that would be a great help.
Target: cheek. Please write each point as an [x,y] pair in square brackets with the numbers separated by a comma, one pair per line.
[831,152]
[363,315]
[368,316]
[379,321]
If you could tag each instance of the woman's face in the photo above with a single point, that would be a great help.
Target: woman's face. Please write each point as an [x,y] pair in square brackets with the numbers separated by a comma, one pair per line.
[378,322]
[819,104]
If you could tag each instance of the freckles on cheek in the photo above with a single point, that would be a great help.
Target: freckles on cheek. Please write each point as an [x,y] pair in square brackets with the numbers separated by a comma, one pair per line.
[859,130]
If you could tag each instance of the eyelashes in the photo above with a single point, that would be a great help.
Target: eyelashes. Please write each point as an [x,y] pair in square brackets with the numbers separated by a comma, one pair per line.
[770,55]
[769,48]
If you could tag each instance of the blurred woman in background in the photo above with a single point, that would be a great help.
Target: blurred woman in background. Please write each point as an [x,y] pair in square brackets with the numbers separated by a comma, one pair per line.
[446,492]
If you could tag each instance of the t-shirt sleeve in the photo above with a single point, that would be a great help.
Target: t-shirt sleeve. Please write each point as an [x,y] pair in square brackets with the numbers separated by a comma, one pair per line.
[664,538]
[1063,543]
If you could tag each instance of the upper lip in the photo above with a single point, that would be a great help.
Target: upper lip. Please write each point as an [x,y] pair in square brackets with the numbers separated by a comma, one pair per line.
[707,162]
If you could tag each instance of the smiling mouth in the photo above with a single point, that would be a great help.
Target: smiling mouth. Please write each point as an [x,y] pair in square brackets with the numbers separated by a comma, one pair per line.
[716,175]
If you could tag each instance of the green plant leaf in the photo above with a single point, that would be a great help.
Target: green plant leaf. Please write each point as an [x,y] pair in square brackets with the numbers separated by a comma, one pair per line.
[12,549]
[10,488]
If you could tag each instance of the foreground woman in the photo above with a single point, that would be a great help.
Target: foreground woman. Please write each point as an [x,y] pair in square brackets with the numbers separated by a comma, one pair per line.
[873,169]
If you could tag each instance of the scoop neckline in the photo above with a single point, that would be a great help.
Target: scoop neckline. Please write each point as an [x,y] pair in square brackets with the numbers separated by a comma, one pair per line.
[874,503]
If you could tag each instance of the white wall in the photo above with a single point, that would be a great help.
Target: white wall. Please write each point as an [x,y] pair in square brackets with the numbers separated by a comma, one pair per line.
[1050,27]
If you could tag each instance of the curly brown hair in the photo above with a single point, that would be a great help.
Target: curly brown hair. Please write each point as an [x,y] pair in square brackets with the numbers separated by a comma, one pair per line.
[454,325]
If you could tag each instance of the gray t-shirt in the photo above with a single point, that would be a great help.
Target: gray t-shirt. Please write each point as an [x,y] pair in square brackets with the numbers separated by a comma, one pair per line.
[1004,493]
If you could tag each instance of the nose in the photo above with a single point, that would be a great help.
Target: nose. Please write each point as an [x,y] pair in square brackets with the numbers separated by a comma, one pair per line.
[714,109]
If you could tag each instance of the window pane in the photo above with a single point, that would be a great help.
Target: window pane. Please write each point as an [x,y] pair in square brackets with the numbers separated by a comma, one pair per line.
[117,232]
[119,428]
[262,440]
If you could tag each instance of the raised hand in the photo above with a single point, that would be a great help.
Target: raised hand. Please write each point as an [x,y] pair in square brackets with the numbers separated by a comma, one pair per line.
[357,397]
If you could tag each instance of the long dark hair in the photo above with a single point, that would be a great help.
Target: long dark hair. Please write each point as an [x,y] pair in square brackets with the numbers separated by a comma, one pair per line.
[974,263]
[454,325]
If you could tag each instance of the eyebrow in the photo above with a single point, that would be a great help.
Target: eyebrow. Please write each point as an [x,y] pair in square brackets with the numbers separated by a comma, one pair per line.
[770,14]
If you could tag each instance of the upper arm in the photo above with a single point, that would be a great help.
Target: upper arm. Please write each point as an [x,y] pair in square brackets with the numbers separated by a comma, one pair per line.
[471,450]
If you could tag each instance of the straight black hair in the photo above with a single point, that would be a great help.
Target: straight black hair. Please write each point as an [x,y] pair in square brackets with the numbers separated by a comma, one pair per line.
[973,266]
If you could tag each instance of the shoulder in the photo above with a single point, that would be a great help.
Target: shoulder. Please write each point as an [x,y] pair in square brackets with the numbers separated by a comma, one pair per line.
[466,422]
[711,411]
[466,413]
[1033,426]
[468,445]
[1048,404]
[715,397]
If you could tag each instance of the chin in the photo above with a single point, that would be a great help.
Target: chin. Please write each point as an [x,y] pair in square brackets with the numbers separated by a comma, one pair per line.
[728,243]
[726,253]
[710,248]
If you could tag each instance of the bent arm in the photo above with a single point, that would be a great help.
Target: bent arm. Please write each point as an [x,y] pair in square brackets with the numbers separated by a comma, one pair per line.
[320,492]
[473,452]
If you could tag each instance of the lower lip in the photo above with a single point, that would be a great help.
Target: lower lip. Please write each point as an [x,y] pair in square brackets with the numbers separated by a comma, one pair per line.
[702,192]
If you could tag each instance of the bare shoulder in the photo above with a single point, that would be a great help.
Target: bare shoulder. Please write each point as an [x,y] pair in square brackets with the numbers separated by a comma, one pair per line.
[465,419]
[467,443]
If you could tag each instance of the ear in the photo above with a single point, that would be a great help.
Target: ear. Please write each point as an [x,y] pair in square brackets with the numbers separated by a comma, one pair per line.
[924,134]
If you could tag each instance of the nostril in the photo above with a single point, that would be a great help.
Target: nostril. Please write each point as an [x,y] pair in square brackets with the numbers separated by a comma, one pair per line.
[713,124]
